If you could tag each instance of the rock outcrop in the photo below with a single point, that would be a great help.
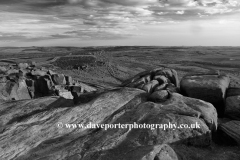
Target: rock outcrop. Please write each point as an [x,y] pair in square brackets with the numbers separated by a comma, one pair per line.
[210,88]
[37,128]
[154,80]
[30,82]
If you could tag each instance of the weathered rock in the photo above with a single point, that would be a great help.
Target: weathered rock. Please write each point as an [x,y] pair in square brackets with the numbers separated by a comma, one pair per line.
[232,129]
[14,90]
[13,77]
[140,86]
[66,94]
[150,86]
[161,79]
[58,79]
[50,72]
[29,128]
[161,87]
[207,110]
[12,71]
[31,87]
[171,74]
[69,80]
[85,87]
[33,124]
[233,107]
[159,152]
[23,65]
[63,92]
[159,96]
[233,92]
[210,88]
[172,88]
[137,82]
[38,73]
[150,74]
[77,89]
[22,91]
[43,86]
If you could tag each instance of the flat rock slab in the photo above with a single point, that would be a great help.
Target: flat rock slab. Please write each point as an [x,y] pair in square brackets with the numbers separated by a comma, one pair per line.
[30,128]
[210,88]
[233,107]
[232,129]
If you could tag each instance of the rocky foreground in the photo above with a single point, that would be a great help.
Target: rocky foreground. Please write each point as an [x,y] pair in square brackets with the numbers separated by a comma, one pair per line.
[32,126]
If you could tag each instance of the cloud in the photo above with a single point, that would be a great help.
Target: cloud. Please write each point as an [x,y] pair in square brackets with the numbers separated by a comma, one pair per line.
[101,19]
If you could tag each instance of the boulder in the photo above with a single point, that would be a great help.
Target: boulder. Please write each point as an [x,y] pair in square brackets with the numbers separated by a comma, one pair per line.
[65,94]
[52,127]
[161,79]
[43,86]
[7,89]
[38,72]
[233,107]
[22,65]
[22,90]
[14,90]
[58,79]
[150,86]
[69,80]
[231,129]
[85,87]
[32,128]
[50,72]
[171,74]
[161,87]
[159,96]
[77,89]
[149,75]
[210,88]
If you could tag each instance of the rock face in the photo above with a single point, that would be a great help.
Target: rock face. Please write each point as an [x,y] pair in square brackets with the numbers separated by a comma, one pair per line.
[232,129]
[233,107]
[30,82]
[153,80]
[210,88]
[36,129]
[159,96]
[233,92]
[58,79]
[11,90]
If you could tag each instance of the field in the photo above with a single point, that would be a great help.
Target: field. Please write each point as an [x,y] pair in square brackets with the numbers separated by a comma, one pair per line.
[109,66]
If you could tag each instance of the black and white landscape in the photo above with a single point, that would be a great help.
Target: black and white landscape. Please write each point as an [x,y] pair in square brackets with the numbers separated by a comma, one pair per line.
[119,62]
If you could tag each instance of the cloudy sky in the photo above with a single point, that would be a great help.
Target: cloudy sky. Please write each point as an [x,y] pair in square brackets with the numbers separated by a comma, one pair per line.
[119,22]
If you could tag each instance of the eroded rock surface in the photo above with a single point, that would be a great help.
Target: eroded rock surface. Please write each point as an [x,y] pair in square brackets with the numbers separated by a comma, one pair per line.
[210,88]
[27,82]
[29,128]
[233,107]
[153,80]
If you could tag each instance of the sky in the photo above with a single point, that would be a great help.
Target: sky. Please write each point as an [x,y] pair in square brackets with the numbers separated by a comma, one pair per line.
[119,22]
